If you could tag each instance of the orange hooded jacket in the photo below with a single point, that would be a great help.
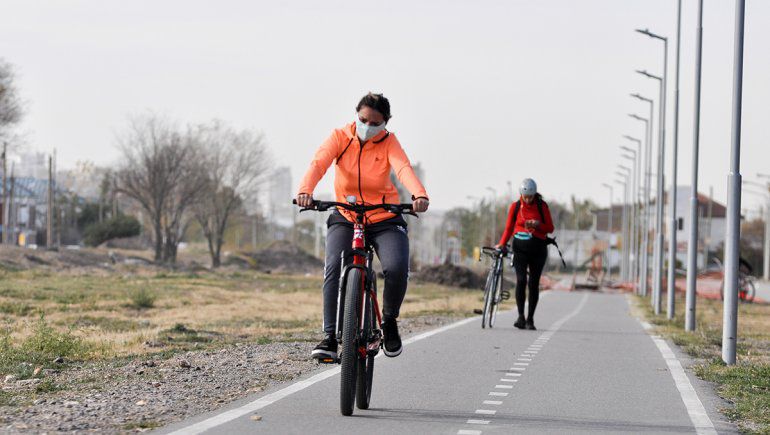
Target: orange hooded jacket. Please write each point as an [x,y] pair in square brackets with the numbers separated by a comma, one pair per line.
[363,170]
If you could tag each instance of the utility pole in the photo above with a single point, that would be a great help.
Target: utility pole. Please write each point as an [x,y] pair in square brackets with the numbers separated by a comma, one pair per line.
[12,213]
[692,244]
[49,211]
[5,193]
[733,233]
[671,287]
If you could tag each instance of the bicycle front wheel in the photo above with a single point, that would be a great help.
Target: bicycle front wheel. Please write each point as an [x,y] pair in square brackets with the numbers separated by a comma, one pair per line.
[366,365]
[349,354]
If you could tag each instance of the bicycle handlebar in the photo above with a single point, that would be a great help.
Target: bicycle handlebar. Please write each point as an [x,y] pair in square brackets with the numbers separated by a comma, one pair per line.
[360,208]
[494,252]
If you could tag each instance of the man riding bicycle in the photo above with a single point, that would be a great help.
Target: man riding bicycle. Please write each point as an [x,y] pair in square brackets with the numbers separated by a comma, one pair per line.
[365,153]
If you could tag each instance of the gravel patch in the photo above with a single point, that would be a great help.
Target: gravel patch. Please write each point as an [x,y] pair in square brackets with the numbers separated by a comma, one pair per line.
[142,394]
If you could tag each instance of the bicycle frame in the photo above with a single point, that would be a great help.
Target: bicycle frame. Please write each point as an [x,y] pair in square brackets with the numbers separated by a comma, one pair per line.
[362,259]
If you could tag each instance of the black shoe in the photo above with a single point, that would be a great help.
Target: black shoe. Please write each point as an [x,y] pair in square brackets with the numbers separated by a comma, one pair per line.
[519,323]
[390,339]
[326,349]
[530,325]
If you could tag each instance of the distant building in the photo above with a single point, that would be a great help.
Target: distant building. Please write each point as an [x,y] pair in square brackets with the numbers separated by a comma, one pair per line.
[280,210]
[711,223]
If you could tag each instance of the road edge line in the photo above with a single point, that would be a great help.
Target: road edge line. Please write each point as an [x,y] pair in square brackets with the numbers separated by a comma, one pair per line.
[695,409]
[227,416]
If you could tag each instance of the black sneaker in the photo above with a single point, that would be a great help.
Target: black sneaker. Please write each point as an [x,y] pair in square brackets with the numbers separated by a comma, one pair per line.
[530,325]
[390,339]
[519,323]
[326,349]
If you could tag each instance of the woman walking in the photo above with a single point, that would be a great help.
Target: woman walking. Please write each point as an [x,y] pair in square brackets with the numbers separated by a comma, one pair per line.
[529,222]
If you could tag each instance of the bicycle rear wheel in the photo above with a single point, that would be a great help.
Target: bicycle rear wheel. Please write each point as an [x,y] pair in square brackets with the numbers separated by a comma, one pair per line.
[496,300]
[366,365]
[489,290]
[749,291]
[349,354]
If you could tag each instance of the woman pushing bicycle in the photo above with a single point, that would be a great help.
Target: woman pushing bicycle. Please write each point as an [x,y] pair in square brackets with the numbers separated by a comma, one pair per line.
[365,153]
[529,221]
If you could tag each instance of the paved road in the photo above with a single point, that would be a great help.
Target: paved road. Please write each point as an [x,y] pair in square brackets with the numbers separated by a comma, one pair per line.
[590,368]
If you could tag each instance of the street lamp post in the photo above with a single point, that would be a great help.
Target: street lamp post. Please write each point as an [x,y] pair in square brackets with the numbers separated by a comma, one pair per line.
[635,157]
[627,174]
[692,243]
[624,219]
[674,226]
[733,233]
[657,266]
[494,212]
[643,284]
[609,234]
[766,250]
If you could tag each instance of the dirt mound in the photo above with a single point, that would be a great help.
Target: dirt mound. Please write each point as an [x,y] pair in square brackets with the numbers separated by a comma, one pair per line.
[283,257]
[452,275]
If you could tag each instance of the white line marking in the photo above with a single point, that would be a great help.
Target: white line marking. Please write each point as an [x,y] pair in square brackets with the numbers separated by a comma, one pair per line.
[513,374]
[523,359]
[520,369]
[269,399]
[520,364]
[493,402]
[698,415]
[504,387]
[508,380]
[486,411]
[468,432]
[498,394]
[477,421]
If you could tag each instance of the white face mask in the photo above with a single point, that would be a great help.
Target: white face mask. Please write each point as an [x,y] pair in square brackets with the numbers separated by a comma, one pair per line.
[366,132]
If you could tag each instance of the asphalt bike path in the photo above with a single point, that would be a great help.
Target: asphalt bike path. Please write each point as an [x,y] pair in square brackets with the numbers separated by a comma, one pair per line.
[591,367]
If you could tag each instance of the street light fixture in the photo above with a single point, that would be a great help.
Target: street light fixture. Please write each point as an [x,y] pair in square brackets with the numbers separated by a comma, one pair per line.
[647,216]
[658,262]
[609,233]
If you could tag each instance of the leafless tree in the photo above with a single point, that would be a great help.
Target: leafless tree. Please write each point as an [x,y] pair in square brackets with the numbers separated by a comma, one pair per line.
[161,170]
[235,165]
[10,104]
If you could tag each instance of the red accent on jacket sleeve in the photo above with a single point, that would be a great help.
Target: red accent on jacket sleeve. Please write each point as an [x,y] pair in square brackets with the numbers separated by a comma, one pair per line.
[547,226]
[508,225]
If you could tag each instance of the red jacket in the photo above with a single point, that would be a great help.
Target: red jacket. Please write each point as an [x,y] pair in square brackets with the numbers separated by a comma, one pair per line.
[527,212]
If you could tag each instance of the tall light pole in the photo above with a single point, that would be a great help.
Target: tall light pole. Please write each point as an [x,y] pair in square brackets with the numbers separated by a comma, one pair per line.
[674,225]
[494,212]
[733,233]
[643,279]
[627,174]
[657,263]
[635,157]
[766,256]
[624,218]
[692,243]
[609,233]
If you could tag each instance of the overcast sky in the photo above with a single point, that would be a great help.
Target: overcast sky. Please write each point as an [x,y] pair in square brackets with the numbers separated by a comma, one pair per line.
[482,92]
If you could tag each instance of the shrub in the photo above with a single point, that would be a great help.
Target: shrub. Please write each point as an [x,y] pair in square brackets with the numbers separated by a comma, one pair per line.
[142,298]
[119,226]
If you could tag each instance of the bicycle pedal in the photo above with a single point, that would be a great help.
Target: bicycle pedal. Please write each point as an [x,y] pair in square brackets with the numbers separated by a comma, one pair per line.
[327,360]
[478,311]
[505,295]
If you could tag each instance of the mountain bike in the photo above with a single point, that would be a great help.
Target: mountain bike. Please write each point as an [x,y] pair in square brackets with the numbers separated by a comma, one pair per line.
[358,312]
[746,287]
[493,289]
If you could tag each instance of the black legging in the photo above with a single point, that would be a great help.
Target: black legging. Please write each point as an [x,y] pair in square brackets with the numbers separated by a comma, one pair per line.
[528,254]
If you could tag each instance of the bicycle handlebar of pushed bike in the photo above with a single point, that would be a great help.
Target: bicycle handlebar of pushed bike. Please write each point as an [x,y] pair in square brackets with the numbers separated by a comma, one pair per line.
[407,209]
[494,252]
